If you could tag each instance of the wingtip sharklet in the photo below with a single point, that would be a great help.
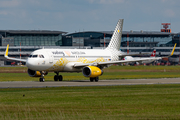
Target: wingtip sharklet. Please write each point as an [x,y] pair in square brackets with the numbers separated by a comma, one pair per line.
[9,58]
[173,49]
[7,49]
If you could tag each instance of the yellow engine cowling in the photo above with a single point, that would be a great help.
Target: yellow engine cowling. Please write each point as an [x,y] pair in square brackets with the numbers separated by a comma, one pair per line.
[92,71]
[33,73]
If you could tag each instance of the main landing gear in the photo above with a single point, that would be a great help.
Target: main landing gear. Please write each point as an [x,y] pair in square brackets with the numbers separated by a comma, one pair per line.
[96,79]
[58,77]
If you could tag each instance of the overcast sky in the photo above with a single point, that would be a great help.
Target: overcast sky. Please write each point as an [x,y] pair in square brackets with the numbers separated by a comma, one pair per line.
[88,15]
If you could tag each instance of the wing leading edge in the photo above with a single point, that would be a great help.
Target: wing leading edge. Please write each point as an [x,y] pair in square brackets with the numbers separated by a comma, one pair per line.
[10,58]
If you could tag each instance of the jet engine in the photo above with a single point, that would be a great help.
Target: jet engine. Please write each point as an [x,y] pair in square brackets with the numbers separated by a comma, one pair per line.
[92,71]
[33,73]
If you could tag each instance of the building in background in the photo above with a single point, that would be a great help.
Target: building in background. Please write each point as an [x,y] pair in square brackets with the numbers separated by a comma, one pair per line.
[31,38]
[139,41]
[25,41]
[136,39]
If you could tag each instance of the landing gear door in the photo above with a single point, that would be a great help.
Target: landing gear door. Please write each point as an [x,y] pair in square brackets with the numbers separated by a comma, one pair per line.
[50,57]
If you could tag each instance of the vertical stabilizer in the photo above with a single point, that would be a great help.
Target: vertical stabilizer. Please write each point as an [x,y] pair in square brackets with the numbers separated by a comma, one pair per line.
[153,54]
[115,42]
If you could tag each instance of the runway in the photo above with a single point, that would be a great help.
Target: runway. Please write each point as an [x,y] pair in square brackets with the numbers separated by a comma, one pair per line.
[34,84]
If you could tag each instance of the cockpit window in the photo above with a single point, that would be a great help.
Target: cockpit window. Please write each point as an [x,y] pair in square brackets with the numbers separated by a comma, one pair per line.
[41,56]
[30,56]
[35,56]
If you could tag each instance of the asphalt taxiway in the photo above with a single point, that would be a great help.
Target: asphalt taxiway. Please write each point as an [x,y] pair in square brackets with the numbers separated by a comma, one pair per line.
[37,84]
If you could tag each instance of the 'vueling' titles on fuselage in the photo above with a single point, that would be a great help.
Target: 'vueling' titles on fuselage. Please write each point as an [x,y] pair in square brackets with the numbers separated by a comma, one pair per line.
[69,53]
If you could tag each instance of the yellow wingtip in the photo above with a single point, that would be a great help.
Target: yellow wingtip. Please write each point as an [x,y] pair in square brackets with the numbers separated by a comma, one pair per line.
[7,49]
[173,49]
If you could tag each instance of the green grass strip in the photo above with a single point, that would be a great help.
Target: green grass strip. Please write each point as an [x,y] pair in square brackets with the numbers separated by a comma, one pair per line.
[113,72]
[104,102]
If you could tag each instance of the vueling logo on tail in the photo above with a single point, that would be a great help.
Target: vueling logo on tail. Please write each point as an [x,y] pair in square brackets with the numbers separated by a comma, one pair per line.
[115,42]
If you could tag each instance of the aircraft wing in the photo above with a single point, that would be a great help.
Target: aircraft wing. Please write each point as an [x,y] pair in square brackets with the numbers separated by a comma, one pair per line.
[76,65]
[10,58]
[124,55]
[127,61]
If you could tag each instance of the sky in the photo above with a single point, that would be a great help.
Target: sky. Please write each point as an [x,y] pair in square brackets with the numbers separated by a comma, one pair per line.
[89,15]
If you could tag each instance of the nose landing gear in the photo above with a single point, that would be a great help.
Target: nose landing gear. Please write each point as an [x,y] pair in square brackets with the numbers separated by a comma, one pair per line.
[42,79]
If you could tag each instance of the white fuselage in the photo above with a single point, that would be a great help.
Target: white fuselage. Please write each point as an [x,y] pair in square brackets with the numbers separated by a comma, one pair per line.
[64,59]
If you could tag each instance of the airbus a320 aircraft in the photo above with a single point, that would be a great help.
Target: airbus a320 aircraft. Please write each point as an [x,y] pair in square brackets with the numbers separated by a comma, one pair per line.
[90,62]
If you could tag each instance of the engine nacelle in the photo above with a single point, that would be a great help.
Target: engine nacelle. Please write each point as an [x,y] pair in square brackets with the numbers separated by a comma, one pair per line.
[33,73]
[92,71]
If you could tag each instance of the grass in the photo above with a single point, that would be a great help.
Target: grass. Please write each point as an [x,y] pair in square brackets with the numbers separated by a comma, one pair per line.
[143,68]
[104,102]
[108,102]
[79,76]
[113,72]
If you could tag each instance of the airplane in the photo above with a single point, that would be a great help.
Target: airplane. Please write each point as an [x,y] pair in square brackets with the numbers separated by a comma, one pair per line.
[146,61]
[90,62]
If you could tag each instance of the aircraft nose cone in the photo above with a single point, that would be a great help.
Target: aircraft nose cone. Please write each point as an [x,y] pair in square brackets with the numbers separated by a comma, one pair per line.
[30,64]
